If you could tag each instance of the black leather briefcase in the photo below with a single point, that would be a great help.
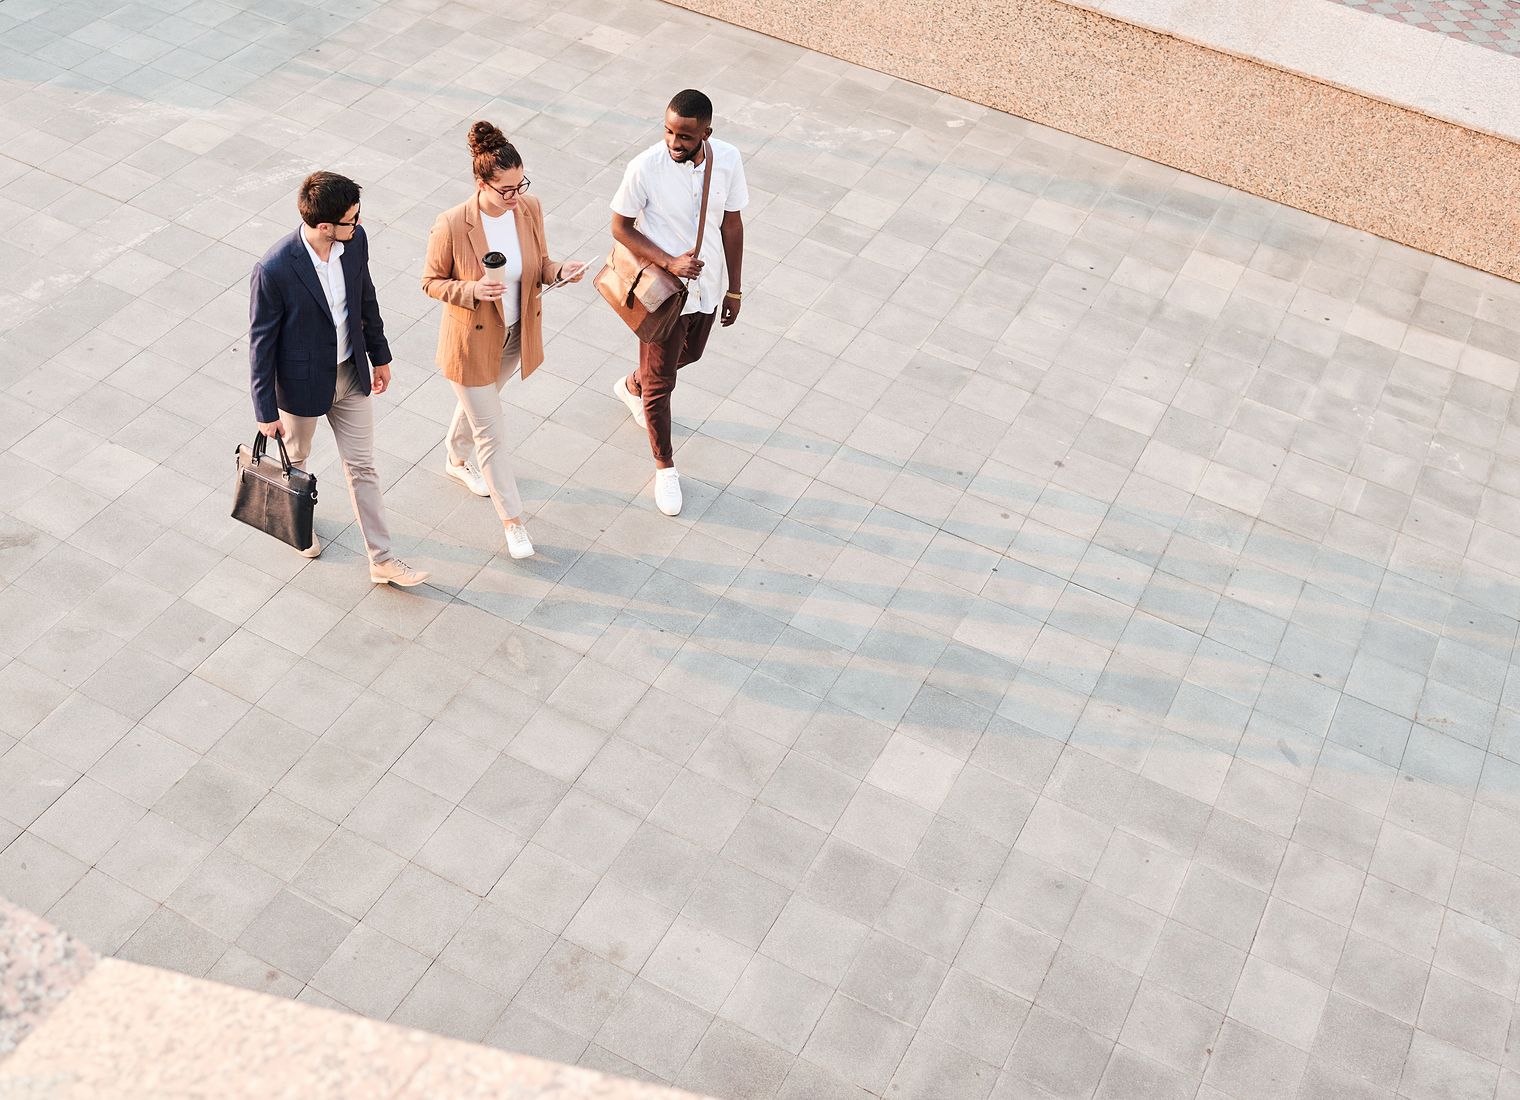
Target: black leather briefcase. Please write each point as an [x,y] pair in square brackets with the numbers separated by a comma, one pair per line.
[275,497]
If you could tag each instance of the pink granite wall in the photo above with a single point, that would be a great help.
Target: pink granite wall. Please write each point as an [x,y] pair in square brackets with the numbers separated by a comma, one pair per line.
[1385,169]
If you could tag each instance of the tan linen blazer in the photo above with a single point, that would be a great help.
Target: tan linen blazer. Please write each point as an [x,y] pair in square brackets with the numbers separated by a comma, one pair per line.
[472,333]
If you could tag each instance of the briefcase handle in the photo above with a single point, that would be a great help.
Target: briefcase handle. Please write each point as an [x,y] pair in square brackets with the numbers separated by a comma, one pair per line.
[261,444]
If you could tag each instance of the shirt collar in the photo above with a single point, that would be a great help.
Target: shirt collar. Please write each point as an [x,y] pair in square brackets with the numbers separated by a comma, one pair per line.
[334,254]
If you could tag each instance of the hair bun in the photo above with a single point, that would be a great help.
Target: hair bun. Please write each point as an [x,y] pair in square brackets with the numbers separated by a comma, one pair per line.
[486,138]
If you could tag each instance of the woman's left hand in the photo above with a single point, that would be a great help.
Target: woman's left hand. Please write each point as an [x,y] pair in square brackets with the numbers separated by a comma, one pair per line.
[573,272]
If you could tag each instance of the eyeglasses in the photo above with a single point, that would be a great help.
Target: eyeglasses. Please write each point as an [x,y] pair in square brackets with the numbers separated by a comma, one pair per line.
[508,192]
[352,224]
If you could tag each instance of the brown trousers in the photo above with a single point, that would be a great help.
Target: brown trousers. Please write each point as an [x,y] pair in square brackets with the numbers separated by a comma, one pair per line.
[656,377]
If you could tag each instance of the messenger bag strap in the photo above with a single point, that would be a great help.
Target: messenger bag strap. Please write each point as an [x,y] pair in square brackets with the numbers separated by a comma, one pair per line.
[706,187]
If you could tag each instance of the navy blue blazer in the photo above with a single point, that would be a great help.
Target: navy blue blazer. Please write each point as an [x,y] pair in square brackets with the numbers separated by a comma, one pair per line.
[292,341]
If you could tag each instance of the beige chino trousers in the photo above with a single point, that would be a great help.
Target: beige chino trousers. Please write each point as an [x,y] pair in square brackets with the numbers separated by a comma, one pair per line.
[352,417]
[479,423]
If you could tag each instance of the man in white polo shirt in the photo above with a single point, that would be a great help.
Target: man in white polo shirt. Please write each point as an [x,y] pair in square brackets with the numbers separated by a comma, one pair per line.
[654,215]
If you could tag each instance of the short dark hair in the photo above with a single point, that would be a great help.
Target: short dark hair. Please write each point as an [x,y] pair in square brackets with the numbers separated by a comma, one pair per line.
[326,197]
[692,104]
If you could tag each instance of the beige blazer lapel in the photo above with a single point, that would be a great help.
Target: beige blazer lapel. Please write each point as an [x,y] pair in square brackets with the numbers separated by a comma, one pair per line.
[475,231]
[532,255]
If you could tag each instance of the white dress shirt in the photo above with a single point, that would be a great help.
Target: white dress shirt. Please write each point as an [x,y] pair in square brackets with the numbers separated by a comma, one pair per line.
[330,275]
[666,198]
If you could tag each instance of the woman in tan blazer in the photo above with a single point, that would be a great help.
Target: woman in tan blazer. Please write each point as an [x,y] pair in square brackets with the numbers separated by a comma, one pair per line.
[489,329]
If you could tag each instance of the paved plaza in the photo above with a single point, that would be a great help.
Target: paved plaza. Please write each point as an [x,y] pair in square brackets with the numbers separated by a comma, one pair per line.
[1082,666]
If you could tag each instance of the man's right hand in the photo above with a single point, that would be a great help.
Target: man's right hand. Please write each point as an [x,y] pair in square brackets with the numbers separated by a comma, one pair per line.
[685,266]
[272,429]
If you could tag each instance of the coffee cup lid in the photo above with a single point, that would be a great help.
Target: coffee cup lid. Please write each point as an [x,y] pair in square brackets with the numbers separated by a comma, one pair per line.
[494,259]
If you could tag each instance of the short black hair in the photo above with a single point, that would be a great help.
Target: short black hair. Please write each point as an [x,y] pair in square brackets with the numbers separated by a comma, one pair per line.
[692,104]
[326,197]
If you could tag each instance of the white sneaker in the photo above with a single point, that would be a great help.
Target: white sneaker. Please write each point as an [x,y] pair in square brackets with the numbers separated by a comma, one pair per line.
[397,572]
[473,481]
[518,543]
[667,491]
[635,406]
[315,549]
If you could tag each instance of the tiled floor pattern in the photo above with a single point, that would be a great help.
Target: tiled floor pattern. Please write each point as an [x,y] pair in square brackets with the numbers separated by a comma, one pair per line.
[1083,666]
[1494,24]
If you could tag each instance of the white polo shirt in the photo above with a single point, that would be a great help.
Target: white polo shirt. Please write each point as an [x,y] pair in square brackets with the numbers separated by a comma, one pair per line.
[666,198]
[335,289]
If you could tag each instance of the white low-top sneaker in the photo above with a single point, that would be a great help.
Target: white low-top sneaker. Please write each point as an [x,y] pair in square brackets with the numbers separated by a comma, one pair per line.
[667,491]
[518,543]
[635,405]
[397,572]
[473,481]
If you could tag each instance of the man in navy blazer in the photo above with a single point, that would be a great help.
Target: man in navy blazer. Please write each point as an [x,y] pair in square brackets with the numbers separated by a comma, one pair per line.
[315,335]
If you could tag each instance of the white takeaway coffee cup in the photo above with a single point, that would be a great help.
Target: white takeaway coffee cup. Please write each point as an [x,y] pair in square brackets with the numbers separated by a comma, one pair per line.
[493,262]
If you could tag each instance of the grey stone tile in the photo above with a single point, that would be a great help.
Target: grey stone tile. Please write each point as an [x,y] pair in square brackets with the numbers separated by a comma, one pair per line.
[1404,921]
[87,820]
[654,1029]
[574,989]
[369,972]
[814,940]
[543,888]
[1434,1067]
[421,910]
[348,872]
[1225,908]
[1055,1055]
[521,1031]
[1362,1041]
[894,978]
[807,790]
[496,949]
[700,810]
[736,902]
[1465,1015]
[241,969]
[586,831]
[1132,1074]
[444,762]
[398,815]
[169,941]
[1195,965]
[154,856]
[860,1045]
[469,851]
[261,747]
[809,1080]
[776,1003]
[619,925]
[1249,1064]
[31,782]
[1278,1003]
[850,881]
[36,874]
[376,730]
[101,912]
[1170,1028]
[729,1061]
[774,845]
[932,1068]
[329,780]
[696,964]
[448,1003]
[296,935]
